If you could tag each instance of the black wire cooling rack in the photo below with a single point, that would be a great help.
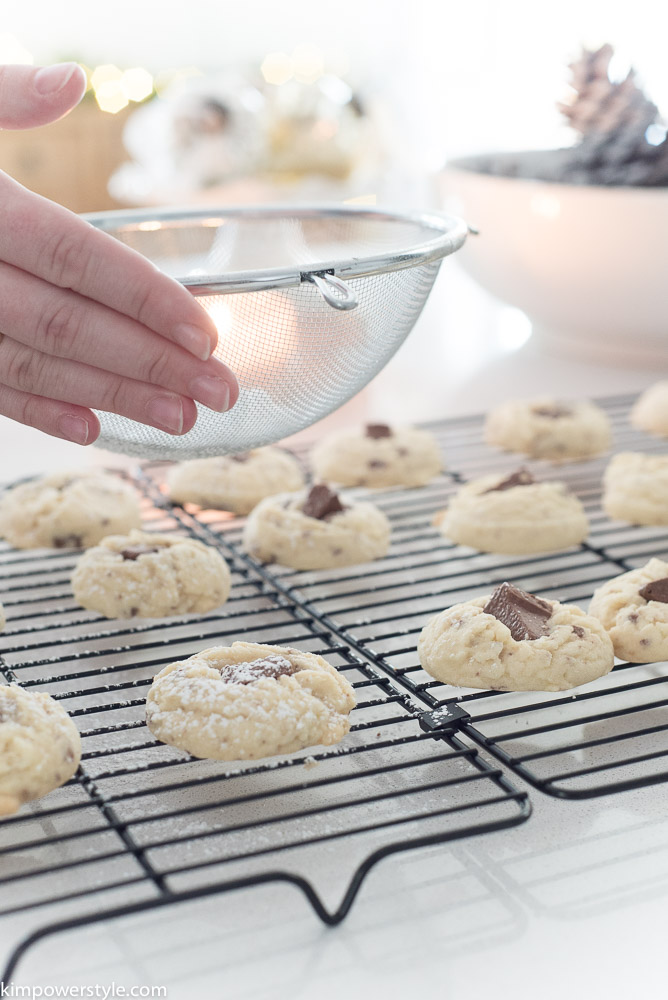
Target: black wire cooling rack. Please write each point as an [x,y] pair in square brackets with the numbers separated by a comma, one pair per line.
[608,736]
[143,825]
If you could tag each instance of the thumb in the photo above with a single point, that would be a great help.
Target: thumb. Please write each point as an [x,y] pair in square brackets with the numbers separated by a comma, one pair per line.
[31,96]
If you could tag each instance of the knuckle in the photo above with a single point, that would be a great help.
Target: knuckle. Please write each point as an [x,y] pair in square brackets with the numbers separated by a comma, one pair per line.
[114,396]
[61,329]
[66,258]
[157,370]
[21,368]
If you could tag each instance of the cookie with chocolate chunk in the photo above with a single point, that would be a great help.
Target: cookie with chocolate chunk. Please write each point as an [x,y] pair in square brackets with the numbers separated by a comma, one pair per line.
[515,515]
[150,576]
[247,701]
[68,510]
[378,455]
[633,609]
[512,640]
[40,747]
[549,428]
[316,529]
[235,482]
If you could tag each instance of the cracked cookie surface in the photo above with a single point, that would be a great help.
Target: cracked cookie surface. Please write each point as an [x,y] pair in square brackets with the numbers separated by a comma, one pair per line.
[68,510]
[636,622]
[40,746]
[148,575]
[247,701]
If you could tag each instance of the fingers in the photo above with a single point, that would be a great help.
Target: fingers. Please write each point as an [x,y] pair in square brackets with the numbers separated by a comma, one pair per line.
[31,96]
[61,323]
[38,374]
[46,240]
[61,420]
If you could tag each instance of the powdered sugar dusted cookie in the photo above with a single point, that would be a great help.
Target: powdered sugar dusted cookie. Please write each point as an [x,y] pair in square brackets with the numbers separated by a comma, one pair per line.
[316,529]
[246,701]
[40,747]
[150,576]
[547,428]
[650,411]
[514,641]
[71,510]
[378,455]
[635,488]
[235,482]
[633,608]
[515,515]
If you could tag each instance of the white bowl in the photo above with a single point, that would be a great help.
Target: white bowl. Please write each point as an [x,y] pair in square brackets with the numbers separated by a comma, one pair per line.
[588,264]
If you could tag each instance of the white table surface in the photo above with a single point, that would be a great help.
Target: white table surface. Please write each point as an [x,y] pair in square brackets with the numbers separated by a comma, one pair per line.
[571,904]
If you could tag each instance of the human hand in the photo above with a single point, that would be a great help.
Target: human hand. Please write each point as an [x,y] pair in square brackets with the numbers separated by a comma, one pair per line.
[85,321]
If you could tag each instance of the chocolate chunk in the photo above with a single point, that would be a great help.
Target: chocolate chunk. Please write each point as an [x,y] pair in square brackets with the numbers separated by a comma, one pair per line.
[525,614]
[322,503]
[553,412]
[520,478]
[243,456]
[656,590]
[377,464]
[273,665]
[133,552]
[378,431]
[68,542]
[580,632]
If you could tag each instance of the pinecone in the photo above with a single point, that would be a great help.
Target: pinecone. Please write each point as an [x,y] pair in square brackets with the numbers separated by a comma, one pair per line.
[612,118]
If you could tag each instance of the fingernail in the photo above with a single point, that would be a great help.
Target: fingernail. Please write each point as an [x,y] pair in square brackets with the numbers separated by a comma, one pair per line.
[212,391]
[50,79]
[194,339]
[166,412]
[74,428]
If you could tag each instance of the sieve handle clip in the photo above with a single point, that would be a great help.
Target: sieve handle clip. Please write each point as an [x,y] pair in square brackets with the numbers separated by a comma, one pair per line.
[335,292]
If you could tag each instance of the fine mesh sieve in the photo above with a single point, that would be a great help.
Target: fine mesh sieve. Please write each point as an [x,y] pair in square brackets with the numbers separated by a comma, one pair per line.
[310,304]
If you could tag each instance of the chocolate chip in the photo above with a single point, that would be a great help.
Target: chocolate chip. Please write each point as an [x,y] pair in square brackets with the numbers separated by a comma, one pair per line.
[524,614]
[520,478]
[378,431]
[243,456]
[133,552]
[656,590]
[633,617]
[644,642]
[553,412]
[580,632]
[134,612]
[322,503]
[273,665]
[402,452]
[377,464]
[68,542]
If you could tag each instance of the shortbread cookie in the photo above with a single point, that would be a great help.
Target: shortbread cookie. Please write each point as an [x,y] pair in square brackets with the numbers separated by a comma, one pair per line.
[247,700]
[378,455]
[546,428]
[514,641]
[650,411]
[633,609]
[316,530]
[40,747]
[635,488]
[150,576]
[68,510]
[514,515]
[235,482]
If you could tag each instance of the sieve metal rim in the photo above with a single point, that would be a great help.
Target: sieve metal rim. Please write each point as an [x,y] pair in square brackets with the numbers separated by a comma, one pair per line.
[451,232]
